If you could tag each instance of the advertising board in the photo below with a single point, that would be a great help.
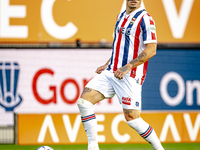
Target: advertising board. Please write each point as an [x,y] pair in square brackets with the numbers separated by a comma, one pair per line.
[27,21]
[173,81]
[48,129]
[51,81]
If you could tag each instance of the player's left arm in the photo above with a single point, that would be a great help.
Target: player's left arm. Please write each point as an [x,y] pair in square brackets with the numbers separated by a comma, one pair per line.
[148,53]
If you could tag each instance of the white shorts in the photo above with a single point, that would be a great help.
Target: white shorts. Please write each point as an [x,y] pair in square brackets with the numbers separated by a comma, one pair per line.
[127,89]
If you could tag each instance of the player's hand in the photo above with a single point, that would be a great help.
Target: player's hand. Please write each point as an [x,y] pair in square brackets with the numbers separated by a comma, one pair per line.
[121,72]
[101,68]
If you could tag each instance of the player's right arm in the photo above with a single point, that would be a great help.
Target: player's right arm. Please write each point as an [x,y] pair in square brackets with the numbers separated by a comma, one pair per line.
[102,68]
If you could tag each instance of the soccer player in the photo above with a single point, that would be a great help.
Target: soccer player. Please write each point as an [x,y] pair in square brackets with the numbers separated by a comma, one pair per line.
[123,74]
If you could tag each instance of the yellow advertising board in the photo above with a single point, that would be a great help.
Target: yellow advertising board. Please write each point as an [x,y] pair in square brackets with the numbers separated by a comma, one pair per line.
[177,21]
[112,128]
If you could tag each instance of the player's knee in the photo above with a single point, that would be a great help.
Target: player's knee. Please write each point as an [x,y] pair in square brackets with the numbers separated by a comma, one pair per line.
[85,107]
[130,114]
[79,102]
[84,104]
[130,117]
[92,96]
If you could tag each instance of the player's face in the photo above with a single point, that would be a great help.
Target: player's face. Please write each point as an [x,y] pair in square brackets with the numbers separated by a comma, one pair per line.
[133,4]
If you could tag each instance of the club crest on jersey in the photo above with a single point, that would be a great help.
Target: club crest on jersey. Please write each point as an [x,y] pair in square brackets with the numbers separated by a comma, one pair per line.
[9,77]
[132,21]
[137,104]
[126,100]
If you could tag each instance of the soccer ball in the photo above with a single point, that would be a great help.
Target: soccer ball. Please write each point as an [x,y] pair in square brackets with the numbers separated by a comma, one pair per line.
[44,148]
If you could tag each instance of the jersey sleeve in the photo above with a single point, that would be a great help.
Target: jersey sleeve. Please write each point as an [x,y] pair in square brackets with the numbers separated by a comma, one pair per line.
[148,29]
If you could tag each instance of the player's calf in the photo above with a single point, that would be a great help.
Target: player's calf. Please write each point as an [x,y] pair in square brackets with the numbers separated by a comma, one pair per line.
[146,132]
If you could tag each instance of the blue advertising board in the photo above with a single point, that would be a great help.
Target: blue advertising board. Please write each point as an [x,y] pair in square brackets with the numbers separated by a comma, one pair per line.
[173,81]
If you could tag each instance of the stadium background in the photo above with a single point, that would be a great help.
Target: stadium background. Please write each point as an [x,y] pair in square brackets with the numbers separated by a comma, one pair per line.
[50,50]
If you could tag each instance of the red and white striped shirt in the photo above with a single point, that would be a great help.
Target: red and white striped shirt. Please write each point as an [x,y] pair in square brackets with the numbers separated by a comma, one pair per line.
[132,32]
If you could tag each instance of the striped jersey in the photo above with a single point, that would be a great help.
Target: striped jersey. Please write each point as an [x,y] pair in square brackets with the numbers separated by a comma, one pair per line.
[131,34]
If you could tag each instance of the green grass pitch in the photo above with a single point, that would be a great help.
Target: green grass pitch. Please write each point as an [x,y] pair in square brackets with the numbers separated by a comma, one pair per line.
[172,146]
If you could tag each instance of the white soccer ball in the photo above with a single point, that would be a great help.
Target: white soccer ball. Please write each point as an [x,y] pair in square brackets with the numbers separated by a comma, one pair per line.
[44,148]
